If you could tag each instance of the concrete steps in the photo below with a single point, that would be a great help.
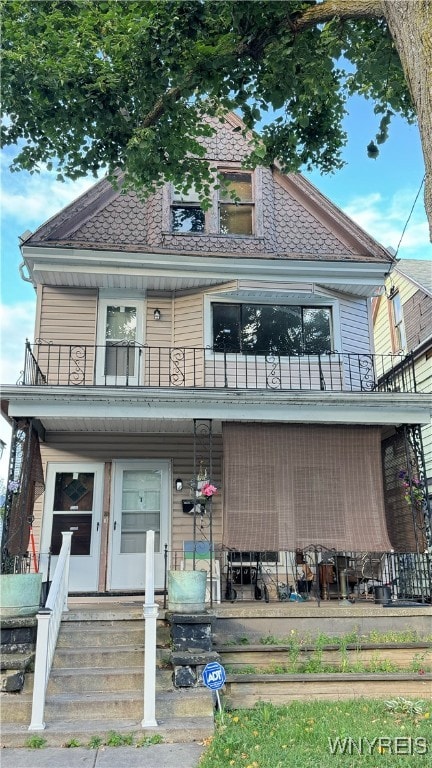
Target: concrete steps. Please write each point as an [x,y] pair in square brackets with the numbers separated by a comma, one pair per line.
[96,686]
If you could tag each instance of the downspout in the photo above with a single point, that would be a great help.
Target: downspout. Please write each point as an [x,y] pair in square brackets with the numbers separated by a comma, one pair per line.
[24,277]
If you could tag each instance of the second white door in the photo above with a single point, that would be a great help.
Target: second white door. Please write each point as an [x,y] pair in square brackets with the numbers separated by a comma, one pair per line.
[141,502]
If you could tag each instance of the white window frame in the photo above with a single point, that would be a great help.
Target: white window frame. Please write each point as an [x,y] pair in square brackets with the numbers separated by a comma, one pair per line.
[115,300]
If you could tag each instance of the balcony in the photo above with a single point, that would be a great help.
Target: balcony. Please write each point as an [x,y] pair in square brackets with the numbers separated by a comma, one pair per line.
[134,365]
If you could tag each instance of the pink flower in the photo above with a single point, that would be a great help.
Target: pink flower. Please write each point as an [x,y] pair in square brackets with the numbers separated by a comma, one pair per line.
[208,489]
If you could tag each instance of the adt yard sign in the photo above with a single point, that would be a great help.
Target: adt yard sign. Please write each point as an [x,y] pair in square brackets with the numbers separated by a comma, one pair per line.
[214,675]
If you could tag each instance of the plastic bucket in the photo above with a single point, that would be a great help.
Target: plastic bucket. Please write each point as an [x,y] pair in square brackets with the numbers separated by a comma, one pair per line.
[382,595]
[187,591]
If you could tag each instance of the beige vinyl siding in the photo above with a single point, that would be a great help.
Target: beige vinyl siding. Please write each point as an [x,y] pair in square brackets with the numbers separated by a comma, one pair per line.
[384,319]
[159,333]
[189,337]
[189,320]
[67,328]
[75,447]
[382,334]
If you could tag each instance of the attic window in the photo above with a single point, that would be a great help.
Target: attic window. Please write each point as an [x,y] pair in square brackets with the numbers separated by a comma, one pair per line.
[236,216]
[186,212]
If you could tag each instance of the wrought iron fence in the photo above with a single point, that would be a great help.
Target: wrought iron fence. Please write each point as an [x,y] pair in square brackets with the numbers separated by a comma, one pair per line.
[136,365]
[315,574]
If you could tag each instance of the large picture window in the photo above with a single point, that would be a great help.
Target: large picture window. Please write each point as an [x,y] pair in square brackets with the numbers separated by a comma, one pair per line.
[262,329]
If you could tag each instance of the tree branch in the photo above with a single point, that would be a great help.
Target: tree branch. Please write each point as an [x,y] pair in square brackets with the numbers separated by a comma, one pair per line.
[341,9]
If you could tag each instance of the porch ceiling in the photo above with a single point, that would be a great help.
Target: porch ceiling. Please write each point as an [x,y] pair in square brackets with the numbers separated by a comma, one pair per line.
[164,410]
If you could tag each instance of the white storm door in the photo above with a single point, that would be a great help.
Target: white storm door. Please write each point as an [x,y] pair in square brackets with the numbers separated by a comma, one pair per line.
[73,502]
[119,339]
[141,502]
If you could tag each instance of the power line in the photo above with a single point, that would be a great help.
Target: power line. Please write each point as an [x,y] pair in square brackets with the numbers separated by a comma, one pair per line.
[410,214]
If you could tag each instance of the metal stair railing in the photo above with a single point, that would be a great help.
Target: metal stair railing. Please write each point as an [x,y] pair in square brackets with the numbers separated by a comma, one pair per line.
[48,626]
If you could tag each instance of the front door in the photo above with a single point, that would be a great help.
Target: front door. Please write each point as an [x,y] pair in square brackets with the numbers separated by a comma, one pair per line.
[73,502]
[141,502]
[120,336]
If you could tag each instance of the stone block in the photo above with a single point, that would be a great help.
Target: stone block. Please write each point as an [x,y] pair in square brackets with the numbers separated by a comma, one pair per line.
[185,677]
[191,636]
[12,680]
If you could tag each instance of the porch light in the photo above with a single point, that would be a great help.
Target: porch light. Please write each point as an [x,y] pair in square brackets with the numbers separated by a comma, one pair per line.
[179,484]
[2,447]
[157,314]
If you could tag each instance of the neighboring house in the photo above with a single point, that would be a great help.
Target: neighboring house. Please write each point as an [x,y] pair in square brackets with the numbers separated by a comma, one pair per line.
[402,321]
[176,346]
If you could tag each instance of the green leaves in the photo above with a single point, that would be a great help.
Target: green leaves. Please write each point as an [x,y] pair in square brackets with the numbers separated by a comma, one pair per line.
[105,85]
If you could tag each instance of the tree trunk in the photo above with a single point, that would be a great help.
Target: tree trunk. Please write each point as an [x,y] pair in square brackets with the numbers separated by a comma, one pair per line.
[410,25]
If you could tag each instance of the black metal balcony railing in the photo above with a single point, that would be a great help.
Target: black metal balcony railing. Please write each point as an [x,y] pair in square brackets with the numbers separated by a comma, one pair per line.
[135,365]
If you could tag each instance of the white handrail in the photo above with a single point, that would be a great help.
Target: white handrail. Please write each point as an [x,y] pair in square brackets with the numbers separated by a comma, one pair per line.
[49,619]
[150,622]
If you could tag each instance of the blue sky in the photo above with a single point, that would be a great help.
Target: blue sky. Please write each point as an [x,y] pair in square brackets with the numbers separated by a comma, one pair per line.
[377,194]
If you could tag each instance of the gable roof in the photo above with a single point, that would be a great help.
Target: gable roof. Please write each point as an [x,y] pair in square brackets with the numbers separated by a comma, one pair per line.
[418,271]
[308,225]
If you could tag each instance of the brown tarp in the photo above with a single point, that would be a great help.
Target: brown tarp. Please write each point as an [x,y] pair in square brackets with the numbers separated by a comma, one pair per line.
[294,486]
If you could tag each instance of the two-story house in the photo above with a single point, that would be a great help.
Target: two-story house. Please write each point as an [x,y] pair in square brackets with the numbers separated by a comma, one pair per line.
[176,346]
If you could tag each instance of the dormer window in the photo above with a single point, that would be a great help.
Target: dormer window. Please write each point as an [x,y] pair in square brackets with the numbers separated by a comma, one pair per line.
[186,212]
[236,217]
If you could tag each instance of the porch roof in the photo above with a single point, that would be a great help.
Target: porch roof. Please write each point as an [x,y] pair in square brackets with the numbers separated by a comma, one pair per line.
[117,409]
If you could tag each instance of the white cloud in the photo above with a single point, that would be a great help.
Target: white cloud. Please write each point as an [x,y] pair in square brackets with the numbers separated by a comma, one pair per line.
[16,324]
[34,199]
[385,218]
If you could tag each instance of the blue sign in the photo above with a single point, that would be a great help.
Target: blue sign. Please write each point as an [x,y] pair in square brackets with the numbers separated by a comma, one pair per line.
[214,675]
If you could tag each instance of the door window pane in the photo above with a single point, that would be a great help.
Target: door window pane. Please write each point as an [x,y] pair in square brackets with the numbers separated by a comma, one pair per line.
[121,324]
[73,490]
[119,360]
[81,527]
[121,327]
[140,509]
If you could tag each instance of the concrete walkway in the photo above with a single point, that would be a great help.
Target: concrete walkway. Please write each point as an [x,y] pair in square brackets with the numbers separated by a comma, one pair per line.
[156,756]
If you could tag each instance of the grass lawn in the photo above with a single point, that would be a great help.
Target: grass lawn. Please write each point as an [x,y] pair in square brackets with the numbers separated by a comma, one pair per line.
[346,734]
